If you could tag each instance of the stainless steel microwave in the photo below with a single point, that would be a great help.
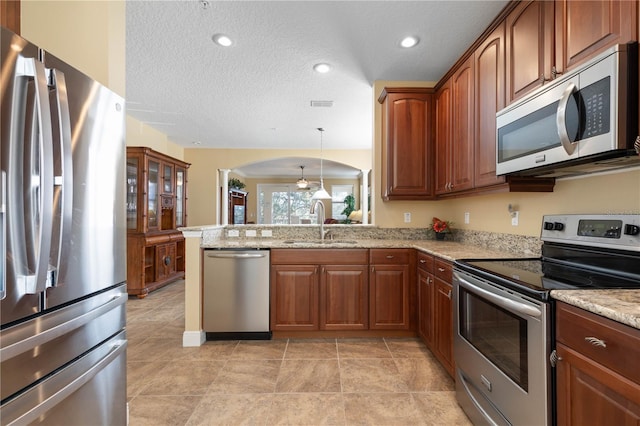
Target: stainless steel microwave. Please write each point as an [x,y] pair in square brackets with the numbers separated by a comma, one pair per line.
[583,122]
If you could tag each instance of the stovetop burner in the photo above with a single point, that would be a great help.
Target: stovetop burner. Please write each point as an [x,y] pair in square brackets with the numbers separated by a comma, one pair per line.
[574,256]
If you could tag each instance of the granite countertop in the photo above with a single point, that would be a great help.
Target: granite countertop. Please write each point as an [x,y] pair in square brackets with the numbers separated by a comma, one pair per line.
[449,250]
[619,305]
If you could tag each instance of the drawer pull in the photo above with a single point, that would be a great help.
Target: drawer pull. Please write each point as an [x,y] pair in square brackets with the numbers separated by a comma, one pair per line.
[423,261]
[596,342]
[441,269]
[390,256]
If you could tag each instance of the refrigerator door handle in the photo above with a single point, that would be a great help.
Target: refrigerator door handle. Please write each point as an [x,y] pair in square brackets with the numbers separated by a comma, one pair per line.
[3,237]
[36,340]
[37,282]
[31,415]
[63,178]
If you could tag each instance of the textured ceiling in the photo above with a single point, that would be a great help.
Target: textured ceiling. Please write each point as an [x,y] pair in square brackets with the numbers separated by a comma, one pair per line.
[256,94]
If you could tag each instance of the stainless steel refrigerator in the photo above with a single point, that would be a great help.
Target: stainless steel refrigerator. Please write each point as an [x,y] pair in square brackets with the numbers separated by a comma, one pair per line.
[63,292]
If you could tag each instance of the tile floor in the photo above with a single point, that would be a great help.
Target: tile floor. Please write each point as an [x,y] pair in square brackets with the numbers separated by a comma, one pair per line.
[284,382]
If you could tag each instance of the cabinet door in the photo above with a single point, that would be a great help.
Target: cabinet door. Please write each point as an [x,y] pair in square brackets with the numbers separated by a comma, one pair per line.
[294,297]
[443,129]
[589,393]
[153,194]
[529,47]
[489,99]
[344,297]
[133,169]
[409,148]
[165,260]
[167,178]
[463,118]
[586,28]
[389,297]
[181,197]
[444,324]
[426,307]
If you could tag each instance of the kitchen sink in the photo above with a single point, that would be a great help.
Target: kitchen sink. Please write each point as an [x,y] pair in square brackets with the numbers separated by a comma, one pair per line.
[320,242]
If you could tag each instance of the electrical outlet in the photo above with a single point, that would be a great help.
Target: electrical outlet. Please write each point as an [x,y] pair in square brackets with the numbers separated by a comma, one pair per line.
[466,218]
[266,233]
[514,218]
[250,233]
[407,217]
[233,233]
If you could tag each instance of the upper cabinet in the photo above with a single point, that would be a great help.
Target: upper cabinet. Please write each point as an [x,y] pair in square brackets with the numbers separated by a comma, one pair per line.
[544,39]
[529,47]
[489,99]
[407,143]
[156,191]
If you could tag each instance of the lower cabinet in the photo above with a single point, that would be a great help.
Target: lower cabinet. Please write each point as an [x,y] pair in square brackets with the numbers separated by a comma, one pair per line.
[390,288]
[320,289]
[597,374]
[154,261]
[435,309]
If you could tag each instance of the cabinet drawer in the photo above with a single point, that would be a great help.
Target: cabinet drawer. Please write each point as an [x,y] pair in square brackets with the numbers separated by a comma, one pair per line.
[587,333]
[443,270]
[425,262]
[390,256]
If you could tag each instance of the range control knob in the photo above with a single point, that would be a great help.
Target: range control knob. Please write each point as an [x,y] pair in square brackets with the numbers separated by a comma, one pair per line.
[557,226]
[548,226]
[631,229]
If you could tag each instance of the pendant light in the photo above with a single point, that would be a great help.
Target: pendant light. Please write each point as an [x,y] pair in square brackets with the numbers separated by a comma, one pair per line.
[302,183]
[321,194]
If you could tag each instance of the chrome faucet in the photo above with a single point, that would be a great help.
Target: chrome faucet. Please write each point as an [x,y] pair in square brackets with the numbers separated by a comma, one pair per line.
[314,205]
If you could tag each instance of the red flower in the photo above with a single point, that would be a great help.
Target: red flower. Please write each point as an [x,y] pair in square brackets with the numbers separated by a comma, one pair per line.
[440,225]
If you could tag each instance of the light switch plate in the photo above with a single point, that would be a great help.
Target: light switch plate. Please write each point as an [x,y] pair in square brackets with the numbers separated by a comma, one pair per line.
[233,233]
[266,233]
[250,233]
[407,217]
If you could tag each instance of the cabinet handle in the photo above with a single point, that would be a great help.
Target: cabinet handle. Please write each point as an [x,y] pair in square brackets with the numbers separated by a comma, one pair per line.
[167,260]
[390,256]
[441,269]
[596,342]
[555,73]
[449,294]
[423,261]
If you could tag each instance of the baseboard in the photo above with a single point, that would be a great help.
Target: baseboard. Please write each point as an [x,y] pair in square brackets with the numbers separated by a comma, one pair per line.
[193,338]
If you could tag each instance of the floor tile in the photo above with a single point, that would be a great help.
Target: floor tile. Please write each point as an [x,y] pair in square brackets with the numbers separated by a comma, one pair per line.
[307,409]
[371,375]
[232,409]
[161,410]
[422,375]
[407,348]
[440,408]
[363,348]
[184,378]
[139,373]
[311,349]
[247,376]
[260,349]
[381,409]
[313,375]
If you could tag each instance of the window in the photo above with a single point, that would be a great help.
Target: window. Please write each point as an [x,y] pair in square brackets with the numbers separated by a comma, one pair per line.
[338,194]
[284,204]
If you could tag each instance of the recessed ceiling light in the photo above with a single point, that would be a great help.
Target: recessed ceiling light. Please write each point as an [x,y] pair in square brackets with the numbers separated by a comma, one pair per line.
[196,143]
[322,68]
[222,40]
[410,41]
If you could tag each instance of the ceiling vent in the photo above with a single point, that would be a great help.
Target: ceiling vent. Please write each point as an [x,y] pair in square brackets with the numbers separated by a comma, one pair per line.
[326,104]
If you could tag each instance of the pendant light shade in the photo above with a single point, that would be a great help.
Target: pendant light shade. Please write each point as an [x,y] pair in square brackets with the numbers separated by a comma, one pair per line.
[321,194]
[302,183]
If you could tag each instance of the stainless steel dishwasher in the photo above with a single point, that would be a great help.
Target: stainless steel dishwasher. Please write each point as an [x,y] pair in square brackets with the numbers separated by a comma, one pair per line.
[236,294]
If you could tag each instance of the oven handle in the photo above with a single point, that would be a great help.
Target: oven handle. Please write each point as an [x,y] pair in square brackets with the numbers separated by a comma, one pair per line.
[511,305]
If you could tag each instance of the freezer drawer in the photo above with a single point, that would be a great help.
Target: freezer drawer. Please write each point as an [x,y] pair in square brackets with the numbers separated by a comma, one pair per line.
[236,291]
[33,349]
[90,391]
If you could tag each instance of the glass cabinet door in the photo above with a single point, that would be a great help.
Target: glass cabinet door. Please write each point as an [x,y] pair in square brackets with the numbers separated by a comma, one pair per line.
[152,193]
[132,193]
[167,178]
[180,198]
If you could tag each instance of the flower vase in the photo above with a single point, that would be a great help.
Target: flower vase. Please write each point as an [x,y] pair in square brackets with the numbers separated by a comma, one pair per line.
[440,235]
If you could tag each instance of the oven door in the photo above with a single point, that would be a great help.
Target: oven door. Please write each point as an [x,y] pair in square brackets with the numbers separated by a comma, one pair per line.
[501,347]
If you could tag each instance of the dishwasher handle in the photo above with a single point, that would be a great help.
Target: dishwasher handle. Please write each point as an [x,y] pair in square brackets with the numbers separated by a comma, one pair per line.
[236,255]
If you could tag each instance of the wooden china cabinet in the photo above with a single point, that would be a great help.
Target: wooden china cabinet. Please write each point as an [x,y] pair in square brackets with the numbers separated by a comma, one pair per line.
[156,207]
